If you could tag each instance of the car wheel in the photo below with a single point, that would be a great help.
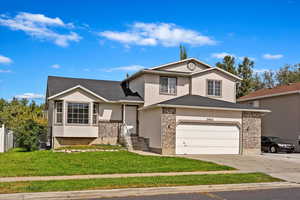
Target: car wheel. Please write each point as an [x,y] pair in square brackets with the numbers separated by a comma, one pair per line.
[273,149]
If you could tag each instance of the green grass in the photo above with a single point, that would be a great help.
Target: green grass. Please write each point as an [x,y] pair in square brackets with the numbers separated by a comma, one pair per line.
[48,163]
[98,146]
[134,182]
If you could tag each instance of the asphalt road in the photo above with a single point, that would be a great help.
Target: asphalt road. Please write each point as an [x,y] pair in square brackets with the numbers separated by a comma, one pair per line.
[273,194]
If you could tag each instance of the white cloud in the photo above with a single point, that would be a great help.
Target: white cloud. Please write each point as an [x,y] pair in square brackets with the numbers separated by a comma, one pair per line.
[221,55]
[29,96]
[5,60]
[5,71]
[41,27]
[55,66]
[272,56]
[152,34]
[126,68]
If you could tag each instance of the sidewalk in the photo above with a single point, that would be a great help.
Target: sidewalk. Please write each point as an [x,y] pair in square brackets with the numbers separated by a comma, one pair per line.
[89,194]
[48,178]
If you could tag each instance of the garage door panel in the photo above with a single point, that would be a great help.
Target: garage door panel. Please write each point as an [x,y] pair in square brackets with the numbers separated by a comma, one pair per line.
[207,139]
[210,142]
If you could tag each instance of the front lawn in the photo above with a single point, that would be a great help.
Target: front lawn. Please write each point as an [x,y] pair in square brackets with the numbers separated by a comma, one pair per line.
[134,182]
[93,147]
[48,163]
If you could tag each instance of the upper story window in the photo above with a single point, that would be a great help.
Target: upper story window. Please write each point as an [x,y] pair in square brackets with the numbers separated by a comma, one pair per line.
[78,113]
[95,112]
[58,112]
[167,85]
[214,88]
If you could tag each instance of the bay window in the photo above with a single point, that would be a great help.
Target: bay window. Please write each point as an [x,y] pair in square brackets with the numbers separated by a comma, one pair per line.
[58,112]
[78,113]
[95,112]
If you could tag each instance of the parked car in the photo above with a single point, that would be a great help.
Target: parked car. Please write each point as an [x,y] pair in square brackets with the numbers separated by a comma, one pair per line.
[276,144]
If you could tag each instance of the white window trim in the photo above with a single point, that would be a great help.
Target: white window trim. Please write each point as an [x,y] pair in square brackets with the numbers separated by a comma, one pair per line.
[169,88]
[214,88]
[78,124]
[55,112]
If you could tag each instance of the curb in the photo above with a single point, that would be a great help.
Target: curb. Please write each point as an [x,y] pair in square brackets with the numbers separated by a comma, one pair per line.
[86,194]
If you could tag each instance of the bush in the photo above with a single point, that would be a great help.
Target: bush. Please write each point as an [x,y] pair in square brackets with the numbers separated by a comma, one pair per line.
[28,134]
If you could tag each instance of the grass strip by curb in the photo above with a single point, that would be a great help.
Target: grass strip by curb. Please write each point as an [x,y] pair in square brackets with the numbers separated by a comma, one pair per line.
[48,163]
[134,182]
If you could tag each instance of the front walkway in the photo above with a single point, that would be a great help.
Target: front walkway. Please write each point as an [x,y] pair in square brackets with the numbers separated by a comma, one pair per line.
[91,176]
[283,168]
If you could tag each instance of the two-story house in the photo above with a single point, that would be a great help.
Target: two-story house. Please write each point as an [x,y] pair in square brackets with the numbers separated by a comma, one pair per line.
[184,107]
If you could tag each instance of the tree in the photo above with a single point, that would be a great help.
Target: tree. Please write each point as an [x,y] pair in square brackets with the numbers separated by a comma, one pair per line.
[268,79]
[183,52]
[25,120]
[288,74]
[228,64]
[257,83]
[245,72]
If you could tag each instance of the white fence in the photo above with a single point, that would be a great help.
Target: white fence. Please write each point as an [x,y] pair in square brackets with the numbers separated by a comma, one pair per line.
[6,139]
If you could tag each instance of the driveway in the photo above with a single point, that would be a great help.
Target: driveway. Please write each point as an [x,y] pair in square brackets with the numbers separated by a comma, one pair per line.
[284,166]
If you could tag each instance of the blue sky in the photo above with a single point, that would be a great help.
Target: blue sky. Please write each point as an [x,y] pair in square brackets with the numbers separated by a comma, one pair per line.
[107,39]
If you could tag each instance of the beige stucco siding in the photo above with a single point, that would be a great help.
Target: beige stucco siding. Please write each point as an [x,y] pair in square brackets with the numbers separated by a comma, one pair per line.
[150,126]
[284,120]
[109,112]
[183,114]
[152,94]
[182,67]
[138,85]
[199,85]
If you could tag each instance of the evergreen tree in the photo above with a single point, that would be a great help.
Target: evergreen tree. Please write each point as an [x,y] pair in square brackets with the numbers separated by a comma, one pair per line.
[228,64]
[183,52]
[246,73]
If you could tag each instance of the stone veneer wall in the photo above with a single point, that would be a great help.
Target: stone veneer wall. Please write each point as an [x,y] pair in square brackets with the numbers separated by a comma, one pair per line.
[168,131]
[251,133]
[108,132]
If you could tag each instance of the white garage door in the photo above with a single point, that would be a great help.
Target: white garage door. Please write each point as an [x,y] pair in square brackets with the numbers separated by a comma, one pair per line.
[207,139]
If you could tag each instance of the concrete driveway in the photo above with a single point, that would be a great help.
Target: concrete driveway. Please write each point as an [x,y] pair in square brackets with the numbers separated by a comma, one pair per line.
[284,166]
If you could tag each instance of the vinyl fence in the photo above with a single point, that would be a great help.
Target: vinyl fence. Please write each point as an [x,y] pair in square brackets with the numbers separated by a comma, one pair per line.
[6,139]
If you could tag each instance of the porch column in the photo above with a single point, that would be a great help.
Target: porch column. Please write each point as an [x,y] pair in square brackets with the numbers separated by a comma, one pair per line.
[123,113]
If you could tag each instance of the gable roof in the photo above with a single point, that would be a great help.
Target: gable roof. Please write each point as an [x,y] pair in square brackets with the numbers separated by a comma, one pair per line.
[218,69]
[200,102]
[181,61]
[108,90]
[270,92]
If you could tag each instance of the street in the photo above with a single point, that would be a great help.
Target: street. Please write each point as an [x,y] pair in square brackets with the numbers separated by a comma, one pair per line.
[272,194]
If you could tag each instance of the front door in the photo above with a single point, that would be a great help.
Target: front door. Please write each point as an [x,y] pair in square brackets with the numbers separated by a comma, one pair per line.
[131,118]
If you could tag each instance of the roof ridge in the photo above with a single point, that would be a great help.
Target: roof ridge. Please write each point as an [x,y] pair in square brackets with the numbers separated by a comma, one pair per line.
[83,79]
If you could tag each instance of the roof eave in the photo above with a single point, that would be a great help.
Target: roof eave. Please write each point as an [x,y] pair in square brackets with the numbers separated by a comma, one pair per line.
[268,96]
[206,108]
[74,88]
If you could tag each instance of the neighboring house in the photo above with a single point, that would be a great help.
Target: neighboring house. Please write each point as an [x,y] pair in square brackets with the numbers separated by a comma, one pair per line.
[284,103]
[185,107]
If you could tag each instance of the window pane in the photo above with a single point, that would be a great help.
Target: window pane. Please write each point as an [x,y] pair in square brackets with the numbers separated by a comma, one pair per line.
[172,85]
[218,88]
[164,84]
[210,87]
[78,113]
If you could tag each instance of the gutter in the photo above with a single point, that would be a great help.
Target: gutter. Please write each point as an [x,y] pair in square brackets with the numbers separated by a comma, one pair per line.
[204,108]
[267,96]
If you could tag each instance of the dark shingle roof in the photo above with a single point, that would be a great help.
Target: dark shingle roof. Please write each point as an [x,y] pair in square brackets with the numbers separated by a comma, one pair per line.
[196,100]
[110,90]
